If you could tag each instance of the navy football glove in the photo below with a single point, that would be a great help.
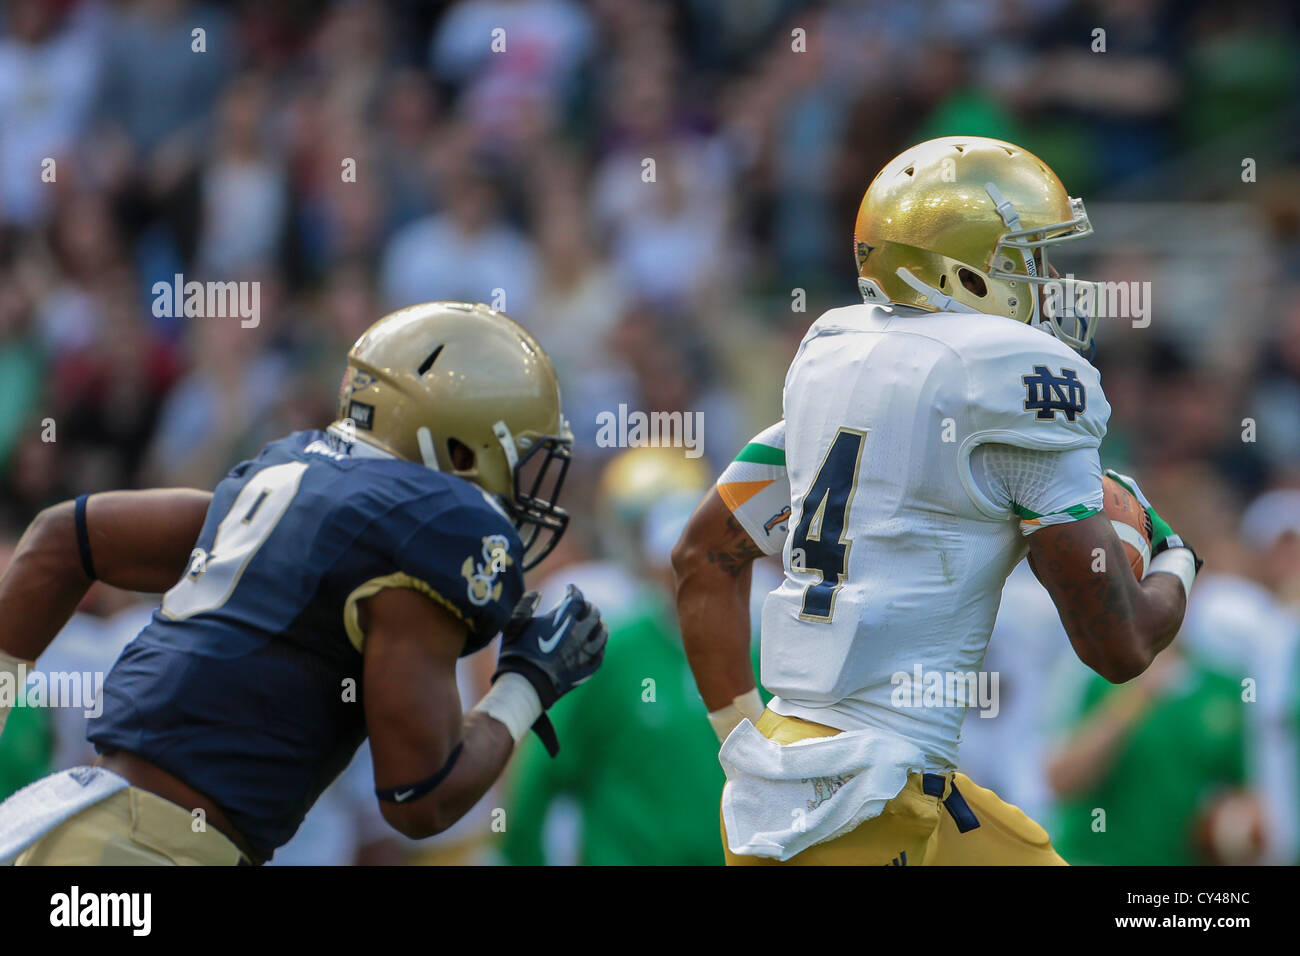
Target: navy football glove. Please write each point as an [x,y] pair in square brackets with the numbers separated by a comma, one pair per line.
[556,651]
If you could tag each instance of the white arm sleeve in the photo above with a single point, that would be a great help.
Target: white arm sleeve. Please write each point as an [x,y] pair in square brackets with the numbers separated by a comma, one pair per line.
[1040,487]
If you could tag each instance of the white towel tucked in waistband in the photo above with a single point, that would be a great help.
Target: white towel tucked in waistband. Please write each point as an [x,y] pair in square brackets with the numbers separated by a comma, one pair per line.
[39,807]
[781,799]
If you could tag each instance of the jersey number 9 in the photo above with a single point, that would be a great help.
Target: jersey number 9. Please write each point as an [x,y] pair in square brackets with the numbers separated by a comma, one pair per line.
[213,575]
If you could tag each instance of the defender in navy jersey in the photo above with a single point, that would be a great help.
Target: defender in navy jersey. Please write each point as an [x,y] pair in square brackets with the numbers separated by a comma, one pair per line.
[322,593]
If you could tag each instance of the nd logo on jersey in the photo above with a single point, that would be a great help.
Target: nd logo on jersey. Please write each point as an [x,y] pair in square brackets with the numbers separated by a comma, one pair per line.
[481,576]
[1048,394]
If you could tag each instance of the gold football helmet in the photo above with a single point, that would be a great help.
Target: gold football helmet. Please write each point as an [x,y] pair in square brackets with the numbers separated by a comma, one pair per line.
[463,389]
[963,224]
[636,478]
[633,483]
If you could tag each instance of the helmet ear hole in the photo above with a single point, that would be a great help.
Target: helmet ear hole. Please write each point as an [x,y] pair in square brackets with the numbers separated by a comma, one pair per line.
[461,455]
[973,282]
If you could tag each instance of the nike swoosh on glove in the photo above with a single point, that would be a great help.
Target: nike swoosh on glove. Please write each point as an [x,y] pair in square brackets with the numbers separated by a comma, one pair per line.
[555,651]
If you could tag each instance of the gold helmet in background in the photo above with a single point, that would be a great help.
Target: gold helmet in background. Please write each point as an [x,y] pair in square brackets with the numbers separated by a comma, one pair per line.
[636,478]
[633,484]
[463,389]
[963,224]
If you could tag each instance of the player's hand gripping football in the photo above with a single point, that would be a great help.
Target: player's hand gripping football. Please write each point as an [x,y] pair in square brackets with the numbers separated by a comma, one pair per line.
[1163,536]
[555,651]
[1169,552]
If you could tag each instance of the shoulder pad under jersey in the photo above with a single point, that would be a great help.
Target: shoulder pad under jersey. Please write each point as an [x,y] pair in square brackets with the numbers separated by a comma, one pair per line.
[1026,388]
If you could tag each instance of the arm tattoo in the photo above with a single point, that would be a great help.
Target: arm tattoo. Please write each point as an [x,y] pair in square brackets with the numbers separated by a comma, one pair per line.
[734,552]
[1094,600]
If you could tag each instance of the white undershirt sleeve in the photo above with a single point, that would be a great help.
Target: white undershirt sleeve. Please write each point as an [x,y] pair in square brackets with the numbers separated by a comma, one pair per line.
[1040,487]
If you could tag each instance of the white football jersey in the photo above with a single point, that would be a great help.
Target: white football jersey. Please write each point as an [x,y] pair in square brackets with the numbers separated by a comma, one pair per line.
[901,534]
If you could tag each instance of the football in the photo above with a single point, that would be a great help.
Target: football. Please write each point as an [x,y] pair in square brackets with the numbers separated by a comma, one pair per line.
[1130,521]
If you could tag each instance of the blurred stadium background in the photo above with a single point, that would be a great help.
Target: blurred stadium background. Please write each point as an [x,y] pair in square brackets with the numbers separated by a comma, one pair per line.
[521,170]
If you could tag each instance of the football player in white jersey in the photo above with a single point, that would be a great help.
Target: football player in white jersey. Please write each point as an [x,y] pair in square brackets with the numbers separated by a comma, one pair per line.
[933,436]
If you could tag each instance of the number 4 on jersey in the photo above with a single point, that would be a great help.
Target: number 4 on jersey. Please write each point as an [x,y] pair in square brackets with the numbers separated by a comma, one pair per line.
[818,545]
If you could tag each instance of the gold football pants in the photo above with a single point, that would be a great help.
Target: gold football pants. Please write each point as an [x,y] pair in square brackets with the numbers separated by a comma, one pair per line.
[133,827]
[936,820]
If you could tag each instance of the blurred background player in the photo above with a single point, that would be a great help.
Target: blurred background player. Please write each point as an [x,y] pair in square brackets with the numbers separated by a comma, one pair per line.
[1246,625]
[1137,765]
[638,778]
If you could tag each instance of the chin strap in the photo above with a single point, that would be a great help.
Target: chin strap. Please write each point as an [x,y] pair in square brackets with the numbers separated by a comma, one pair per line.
[428,453]
[508,445]
[1091,352]
[941,302]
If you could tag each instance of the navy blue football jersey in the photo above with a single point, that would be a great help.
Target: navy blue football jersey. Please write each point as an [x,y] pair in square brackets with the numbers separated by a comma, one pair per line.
[246,684]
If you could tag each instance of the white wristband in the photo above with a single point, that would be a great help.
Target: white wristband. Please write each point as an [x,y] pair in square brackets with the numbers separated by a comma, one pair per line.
[1180,562]
[726,719]
[16,671]
[513,701]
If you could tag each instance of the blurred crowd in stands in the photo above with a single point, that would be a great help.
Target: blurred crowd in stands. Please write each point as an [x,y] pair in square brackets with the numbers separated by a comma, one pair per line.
[664,193]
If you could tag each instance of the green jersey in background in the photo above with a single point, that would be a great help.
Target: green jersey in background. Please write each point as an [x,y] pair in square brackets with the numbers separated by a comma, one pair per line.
[637,756]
